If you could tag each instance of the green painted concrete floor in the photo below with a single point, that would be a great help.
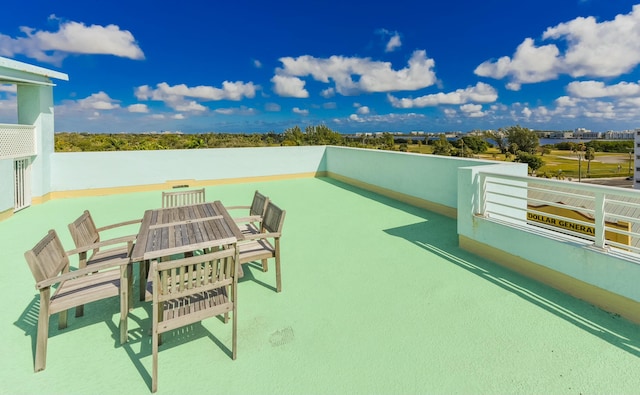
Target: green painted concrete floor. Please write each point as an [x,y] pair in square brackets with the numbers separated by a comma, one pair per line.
[377,298]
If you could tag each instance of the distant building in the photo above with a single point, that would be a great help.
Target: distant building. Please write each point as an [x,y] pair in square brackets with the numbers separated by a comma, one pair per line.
[561,135]
[582,133]
[620,135]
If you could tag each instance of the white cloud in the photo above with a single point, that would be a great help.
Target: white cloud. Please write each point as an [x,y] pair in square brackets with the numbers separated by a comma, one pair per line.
[288,86]
[394,43]
[570,108]
[371,76]
[529,64]
[178,116]
[257,64]
[364,110]
[71,38]
[330,105]
[8,88]
[9,111]
[230,91]
[566,101]
[604,49]
[328,93]
[175,96]
[138,108]
[300,111]
[596,49]
[480,93]
[98,101]
[272,107]
[242,110]
[187,106]
[391,120]
[595,89]
[472,110]
[450,112]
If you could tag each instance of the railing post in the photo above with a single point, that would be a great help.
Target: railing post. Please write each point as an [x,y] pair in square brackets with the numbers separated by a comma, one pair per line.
[599,203]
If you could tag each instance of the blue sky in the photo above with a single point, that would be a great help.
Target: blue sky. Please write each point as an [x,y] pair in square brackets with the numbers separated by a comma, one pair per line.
[259,66]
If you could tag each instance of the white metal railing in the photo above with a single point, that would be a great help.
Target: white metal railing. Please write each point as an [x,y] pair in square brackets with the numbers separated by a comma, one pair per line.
[22,184]
[17,141]
[605,216]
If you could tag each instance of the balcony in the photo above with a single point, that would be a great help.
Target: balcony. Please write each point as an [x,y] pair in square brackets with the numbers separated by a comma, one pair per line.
[389,282]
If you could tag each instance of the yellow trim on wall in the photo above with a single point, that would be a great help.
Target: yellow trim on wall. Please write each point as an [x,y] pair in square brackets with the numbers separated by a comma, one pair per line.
[450,212]
[170,184]
[604,299]
[5,214]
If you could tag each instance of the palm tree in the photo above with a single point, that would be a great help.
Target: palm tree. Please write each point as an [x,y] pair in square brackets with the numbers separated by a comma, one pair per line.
[589,154]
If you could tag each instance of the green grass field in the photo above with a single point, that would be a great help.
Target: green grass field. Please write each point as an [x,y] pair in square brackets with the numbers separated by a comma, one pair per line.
[564,163]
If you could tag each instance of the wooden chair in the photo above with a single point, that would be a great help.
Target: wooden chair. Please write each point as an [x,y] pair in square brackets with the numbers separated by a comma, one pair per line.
[49,264]
[182,198]
[253,222]
[189,290]
[86,236]
[257,246]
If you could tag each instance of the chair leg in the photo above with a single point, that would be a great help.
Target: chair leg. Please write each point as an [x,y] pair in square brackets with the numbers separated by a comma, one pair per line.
[234,334]
[155,340]
[124,299]
[265,265]
[154,369]
[160,311]
[226,314]
[62,319]
[82,263]
[43,332]
[144,269]
[278,274]
[130,285]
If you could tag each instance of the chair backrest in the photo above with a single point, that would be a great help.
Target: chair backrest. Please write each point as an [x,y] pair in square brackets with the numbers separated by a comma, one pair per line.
[182,198]
[273,218]
[48,258]
[180,278]
[259,204]
[83,230]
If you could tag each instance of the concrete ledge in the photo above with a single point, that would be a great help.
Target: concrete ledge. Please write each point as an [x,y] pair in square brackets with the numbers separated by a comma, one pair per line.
[599,297]
[450,212]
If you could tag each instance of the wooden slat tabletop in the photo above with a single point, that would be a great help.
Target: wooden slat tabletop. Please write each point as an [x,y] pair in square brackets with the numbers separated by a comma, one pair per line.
[180,229]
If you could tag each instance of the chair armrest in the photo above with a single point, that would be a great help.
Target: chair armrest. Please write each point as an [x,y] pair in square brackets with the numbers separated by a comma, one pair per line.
[89,247]
[80,272]
[258,236]
[250,218]
[237,207]
[119,224]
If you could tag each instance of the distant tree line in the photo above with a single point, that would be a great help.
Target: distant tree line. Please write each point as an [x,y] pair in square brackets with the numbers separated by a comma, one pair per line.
[311,135]
[515,142]
[614,146]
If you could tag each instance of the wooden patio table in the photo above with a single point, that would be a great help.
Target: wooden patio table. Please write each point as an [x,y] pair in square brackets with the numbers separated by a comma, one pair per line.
[183,229]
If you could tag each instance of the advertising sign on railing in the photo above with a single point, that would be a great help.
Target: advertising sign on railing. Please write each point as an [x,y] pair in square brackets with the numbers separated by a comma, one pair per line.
[534,214]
